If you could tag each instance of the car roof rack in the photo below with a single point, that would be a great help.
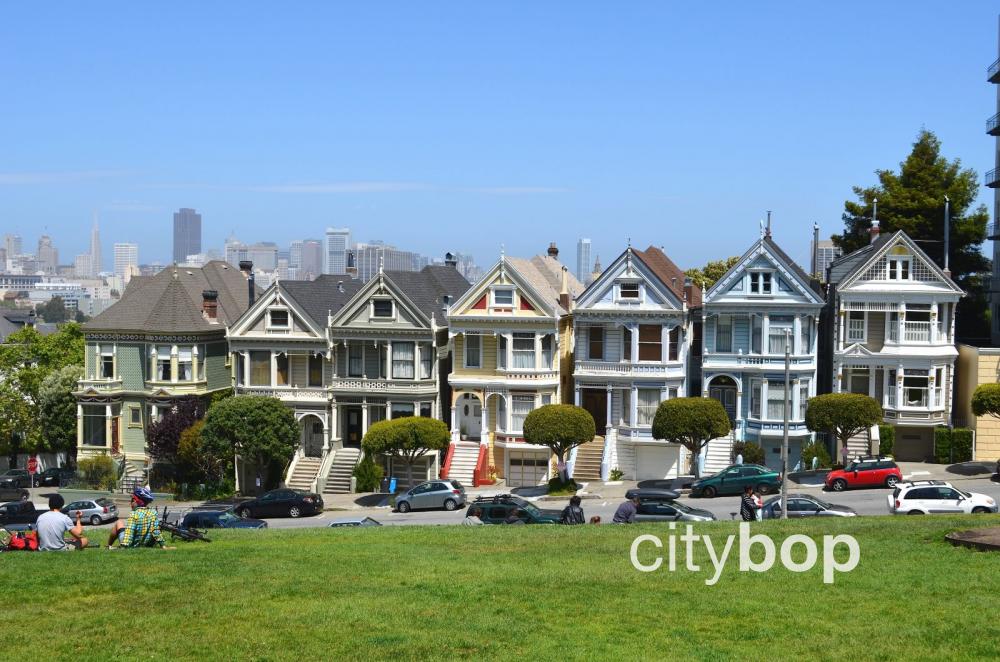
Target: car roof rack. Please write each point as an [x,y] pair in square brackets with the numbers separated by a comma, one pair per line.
[496,498]
[926,482]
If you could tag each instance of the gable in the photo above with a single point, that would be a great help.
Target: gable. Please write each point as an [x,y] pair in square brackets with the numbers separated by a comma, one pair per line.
[899,264]
[379,304]
[629,284]
[502,292]
[763,274]
[277,314]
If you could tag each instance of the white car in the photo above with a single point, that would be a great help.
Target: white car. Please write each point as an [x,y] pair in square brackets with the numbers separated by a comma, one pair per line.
[925,497]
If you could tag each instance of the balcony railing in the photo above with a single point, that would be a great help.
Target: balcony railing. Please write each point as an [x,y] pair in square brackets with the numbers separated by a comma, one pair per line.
[285,392]
[993,178]
[100,384]
[917,332]
[766,361]
[342,384]
[993,125]
[993,72]
[612,369]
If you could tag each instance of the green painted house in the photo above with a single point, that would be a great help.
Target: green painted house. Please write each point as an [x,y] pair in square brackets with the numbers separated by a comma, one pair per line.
[164,339]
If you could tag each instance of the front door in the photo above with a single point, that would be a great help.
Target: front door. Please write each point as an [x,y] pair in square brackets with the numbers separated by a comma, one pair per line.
[727,396]
[595,401]
[352,433]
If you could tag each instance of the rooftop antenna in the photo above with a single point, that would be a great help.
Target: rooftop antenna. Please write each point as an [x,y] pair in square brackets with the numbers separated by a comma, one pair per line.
[768,223]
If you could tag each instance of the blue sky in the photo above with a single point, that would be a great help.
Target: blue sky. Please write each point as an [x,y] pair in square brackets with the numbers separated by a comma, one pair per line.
[461,126]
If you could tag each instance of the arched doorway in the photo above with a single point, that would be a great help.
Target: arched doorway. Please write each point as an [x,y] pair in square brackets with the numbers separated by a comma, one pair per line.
[470,416]
[312,435]
[723,388]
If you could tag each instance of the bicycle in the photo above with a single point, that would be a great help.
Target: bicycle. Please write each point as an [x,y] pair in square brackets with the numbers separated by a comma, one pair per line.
[184,533]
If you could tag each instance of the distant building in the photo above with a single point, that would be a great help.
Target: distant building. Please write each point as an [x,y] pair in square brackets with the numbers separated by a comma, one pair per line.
[83,266]
[338,241]
[96,261]
[993,181]
[823,253]
[126,256]
[264,255]
[305,257]
[13,244]
[583,260]
[368,258]
[47,255]
[187,234]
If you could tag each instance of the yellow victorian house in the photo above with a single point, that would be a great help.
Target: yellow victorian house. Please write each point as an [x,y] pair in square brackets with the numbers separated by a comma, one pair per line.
[511,342]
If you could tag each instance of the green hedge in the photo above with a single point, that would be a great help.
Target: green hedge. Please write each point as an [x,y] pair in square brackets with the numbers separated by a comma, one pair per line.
[961,445]
[886,439]
[942,445]
[368,475]
[816,449]
[752,453]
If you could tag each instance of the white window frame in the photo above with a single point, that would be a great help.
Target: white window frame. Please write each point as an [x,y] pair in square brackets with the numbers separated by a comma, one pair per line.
[493,297]
[718,325]
[900,260]
[638,292]
[383,318]
[271,326]
[405,365]
[758,281]
[864,326]
[425,355]
[756,398]
[104,352]
[181,352]
[647,411]
[516,400]
[465,351]
[523,337]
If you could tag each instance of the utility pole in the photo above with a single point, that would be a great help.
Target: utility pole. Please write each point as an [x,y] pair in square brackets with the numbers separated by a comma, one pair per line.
[784,436]
[947,233]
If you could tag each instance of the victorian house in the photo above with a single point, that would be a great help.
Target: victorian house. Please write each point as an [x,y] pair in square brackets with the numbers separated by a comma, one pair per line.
[634,331]
[165,339]
[764,304]
[511,339]
[891,313]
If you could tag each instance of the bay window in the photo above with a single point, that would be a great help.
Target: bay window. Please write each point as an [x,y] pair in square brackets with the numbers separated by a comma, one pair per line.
[521,406]
[673,341]
[107,362]
[915,388]
[95,431]
[627,344]
[402,409]
[547,353]
[803,398]
[756,333]
[523,351]
[260,368]
[805,335]
[776,334]
[939,387]
[426,361]
[627,407]
[775,401]
[241,372]
[185,364]
[595,343]
[501,352]
[402,361]
[650,342]
[501,414]
[281,369]
[646,402]
[890,391]
[755,397]
[473,344]
[201,351]
[425,410]
[163,372]
[856,326]
[724,333]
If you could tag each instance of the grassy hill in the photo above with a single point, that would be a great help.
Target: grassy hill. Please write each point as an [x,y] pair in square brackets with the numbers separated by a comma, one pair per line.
[526,592]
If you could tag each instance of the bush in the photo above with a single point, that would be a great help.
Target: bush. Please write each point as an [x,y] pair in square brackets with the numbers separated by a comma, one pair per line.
[163,476]
[886,439]
[942,445]
[961,445]
[558,488]
[752,453]
[559,427]
[98,472]
[816,449]
[617,474]
[842,414]
[368,475]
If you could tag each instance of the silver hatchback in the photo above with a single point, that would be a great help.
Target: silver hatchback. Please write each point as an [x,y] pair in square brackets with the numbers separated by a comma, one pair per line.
[95,511]
[447,494]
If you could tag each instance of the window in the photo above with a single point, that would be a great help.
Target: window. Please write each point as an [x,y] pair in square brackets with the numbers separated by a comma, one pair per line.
[402,409]
[163,372]
[775,401]
[939,387]
[425,410]
[107,368]
[278,319]
[673,341]
[776,335]
[899,268]
[626,407]
[382,308]
[523,352]
[260,368]
[501,352]
[501,414]
[856,326]
[672,393]
[315,369]
[546,398]
[473,344]
[628,291]
[627,344]
[241,373]
[376,413]
[757,331]
[650,342]
[760,282]
[915,388]
[755,397]
[503,297]
[803,398]
[281,369]
[547,354]
[202,353]
[805,335]
[646,402]
[185,364]
[724,333]
[355,359]
[402,362]
[426,361]
[520,407]
[134,417]
[595,343]
[890,392]
[94,425]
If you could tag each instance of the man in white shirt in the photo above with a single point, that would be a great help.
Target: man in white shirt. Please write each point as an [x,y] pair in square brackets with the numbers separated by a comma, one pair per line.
[53,525]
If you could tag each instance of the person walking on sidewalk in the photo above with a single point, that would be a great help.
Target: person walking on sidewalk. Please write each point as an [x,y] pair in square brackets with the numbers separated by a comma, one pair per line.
[748,507]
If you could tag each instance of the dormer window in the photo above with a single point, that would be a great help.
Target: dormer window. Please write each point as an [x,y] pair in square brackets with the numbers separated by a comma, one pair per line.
[382,308]
[628,291]
[277,318]
[899,268]
[503,297]
[760,282]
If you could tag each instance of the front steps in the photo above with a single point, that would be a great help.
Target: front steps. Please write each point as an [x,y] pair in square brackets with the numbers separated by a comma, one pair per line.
[304,475]
[338,481]
[463,462]
[588,460]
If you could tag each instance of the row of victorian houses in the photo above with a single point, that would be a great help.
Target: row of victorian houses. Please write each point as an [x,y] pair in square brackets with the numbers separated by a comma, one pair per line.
[343,355]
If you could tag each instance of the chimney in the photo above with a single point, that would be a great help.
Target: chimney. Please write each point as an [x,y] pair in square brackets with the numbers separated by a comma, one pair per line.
[873,231]
[246,266]
[553,251]
[210,305]
[564,299]
[688,290]
[768,232]
[450,260]
[445,305]
[815,255]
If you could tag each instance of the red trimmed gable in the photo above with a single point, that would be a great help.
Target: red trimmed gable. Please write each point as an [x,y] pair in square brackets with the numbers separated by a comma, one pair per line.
[481,304]
[525,304]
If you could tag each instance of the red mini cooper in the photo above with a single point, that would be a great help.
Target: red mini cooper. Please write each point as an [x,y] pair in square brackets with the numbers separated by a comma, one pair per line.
[865,472]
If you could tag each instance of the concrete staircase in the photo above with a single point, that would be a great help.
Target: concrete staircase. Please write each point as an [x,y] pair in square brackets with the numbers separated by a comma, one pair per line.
[338,481]
[859,444]
[718,455]
[588,460]
[304,474]
[463,462]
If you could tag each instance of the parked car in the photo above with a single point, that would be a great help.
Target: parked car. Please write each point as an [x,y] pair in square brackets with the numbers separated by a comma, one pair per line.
[55,477]
[662,506]
[354,521]
[13,494]
[496,508]
[733,479]
[281,503]
[925,497]
[220,519]
[96,511]
[447,494]
[16,478]
[19,512]
[804,505]
[874,471]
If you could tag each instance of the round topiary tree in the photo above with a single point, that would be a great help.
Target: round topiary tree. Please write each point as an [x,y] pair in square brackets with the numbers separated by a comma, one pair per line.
[986,400]
[407,439]
[843,415]
[691,422]
[561,428]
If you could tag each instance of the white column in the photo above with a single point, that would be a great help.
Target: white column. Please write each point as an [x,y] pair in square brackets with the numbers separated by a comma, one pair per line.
[173,364]
[107,426]
[608,422]
[797,335]
[763,400]
[245,357]
[934,322]
[899,386]
[454,423]
[576,396]
[871,381]
[388,409]
[633,406]
[901,322]
[79,425]
[364,417]
[765,330]
[538,351]
[195,360]
[484,426]
[842,322]
[634,336]
[417,347]
[334,424]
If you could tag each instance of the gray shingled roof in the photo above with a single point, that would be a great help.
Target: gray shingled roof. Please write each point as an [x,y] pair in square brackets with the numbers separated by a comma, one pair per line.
[425,288]
[845,265]
[322,296]
[544,273]
[170,301]
[794,266]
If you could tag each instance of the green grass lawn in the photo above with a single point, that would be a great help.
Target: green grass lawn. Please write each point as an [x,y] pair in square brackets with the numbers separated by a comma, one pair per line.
[503,592]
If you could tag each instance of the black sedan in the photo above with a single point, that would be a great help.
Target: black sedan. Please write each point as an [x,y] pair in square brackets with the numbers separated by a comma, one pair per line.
[16,478]
[281,503]
[55,477]
[220,519]
[13,494]
[662,506]
[805,505]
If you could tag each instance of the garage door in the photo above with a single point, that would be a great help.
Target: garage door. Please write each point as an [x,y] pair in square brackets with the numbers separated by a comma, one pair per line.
[656,462]
[525,468]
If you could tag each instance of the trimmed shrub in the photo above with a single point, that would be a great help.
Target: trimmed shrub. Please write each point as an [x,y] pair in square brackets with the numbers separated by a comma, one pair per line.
[368,475]
[942,445]
[691,422]
[559,488]
[98,471]
[752,453]
[886,439]
[816,449]
[986,400]
[842,414]
[961,445]
[559,427]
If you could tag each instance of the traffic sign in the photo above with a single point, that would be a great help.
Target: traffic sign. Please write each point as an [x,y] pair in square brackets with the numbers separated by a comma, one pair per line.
[32,464]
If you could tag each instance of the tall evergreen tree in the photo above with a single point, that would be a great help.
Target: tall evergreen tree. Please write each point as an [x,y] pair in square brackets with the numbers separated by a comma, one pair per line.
[913,200]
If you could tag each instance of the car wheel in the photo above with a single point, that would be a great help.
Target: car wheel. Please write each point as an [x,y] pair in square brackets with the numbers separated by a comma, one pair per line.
[839,485]
[449,504]
[891,481]
[978,510]
[914,512]
[763,488]
[95,520]
[403,506]
[244,513]
[294,511]
[709,492]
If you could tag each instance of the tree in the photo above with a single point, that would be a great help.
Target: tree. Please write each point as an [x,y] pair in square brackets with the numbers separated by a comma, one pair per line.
[407,439]
[162,436]
[986,400]
[57,409]
[53,311]
[843,415]
[561,428]
[192,452]
[259,429]
[691,422]
[913,201]
[708,275]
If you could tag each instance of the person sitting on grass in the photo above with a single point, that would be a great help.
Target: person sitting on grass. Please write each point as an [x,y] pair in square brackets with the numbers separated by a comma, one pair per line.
[596,519]
[626,512]
[475,519]
[53,525]
[573,513]
[143,526]
[514,517]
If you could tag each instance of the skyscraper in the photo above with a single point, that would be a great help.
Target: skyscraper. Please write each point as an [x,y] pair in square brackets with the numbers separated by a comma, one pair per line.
[187,234]
[12,243]
[306,257]
[96,263]
[824,252]
[338,241]
[126,255]
[583,260]
[369,257]
[48,256]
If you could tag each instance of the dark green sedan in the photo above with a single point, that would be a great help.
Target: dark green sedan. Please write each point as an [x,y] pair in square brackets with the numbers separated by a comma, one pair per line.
[732,480]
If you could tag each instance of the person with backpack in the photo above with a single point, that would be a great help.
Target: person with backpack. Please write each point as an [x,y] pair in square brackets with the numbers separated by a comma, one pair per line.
[573,513]
[52,526]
